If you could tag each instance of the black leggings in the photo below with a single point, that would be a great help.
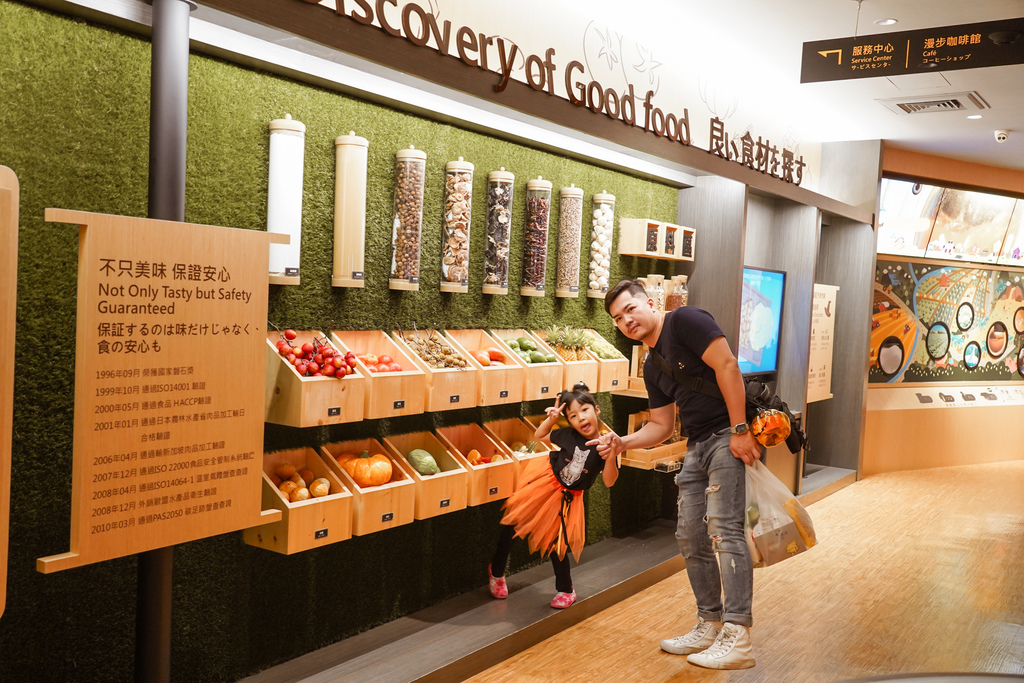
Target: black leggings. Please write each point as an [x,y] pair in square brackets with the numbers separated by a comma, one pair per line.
[563,580]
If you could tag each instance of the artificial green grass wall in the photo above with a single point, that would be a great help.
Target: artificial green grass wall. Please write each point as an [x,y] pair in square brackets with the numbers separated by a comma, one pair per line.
[74,126]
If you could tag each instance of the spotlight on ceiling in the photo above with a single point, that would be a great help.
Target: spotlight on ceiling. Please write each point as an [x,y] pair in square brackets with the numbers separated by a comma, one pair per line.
[889,21]
[974,116]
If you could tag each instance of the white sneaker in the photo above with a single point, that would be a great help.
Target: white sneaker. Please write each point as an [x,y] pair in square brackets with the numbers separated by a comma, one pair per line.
[700,638]
[732,650]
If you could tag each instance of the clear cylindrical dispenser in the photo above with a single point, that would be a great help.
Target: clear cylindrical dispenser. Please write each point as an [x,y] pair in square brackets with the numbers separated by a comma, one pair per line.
[458,204]
[350,163]
[410,169]
[570,226]
[602,224]
[284,197]
[499,231]
[535,238]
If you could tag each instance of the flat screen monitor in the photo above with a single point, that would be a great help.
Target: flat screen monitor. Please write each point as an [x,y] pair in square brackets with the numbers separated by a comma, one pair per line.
[760,320]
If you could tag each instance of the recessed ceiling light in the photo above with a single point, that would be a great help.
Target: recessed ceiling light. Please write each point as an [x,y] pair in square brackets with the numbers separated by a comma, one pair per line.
[885,22]
[974,116]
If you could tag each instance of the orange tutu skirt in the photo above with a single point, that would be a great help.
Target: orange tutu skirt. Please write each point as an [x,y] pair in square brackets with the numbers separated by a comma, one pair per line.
[548,515]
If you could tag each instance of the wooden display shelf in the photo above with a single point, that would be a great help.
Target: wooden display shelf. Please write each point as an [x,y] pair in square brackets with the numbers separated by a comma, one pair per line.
[655,239]
[635,381]
[388,394]
[649,458]
[487,481]
[306,524]
[540,380]
[446,388]
[574,370]
[309,401]
[612,373]
[374,508]
[511,430]
[496,384]
[436,494]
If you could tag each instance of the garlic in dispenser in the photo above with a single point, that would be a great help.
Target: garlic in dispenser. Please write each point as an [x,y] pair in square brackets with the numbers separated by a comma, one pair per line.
[499,230]
[458,200]
[601,244]
[410,166]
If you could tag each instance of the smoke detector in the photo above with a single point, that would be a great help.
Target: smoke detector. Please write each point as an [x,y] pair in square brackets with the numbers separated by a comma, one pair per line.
[924,104]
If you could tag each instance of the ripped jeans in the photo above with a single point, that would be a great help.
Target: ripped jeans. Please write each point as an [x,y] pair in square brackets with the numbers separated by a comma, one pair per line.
[712,495]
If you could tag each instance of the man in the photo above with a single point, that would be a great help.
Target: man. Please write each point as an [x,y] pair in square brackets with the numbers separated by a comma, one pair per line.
[712,483]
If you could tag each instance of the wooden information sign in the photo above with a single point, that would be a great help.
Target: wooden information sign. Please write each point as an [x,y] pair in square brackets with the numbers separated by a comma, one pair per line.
[8,306]
[168,384]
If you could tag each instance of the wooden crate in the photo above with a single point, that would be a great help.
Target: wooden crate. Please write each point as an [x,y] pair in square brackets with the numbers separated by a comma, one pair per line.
[436,494]
[511,430]
[374,508]
[540,380]
[636,368]
[309,401]
[487,481]
[671,241]
[306,524]
[613,373]
[388,394]
[446,388]
[649,458]
[687,244]
[496,384]
[575,370]
[640,237]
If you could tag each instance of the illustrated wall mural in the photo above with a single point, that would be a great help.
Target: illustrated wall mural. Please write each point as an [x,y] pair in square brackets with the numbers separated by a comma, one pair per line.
[934,322]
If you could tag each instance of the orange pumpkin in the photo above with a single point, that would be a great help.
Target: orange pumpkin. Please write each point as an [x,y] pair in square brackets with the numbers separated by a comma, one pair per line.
[365,469]
[770,427]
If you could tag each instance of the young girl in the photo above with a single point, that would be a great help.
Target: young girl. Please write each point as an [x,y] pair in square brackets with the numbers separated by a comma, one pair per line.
[547,507]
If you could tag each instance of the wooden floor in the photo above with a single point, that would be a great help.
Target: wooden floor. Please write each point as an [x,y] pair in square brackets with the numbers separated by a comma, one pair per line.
[915,572]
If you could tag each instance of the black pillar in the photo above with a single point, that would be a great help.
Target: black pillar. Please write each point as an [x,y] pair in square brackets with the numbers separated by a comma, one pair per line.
[168,120]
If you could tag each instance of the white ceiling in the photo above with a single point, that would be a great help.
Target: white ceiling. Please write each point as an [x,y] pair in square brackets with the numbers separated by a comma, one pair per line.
[772,32]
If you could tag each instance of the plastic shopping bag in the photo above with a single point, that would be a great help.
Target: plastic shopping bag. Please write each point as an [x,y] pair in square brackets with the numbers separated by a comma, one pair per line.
[776,525]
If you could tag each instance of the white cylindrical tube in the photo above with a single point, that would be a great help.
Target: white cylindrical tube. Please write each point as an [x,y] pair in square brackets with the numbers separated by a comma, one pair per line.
[284,197]
[350,156]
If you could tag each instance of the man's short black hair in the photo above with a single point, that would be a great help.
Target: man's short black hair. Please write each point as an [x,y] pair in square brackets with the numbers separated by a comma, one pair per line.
[632,286]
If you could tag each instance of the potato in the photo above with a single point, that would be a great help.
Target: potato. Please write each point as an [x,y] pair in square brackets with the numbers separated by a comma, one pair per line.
[319,488]
[287,487]
[307,476]
[299,494]
[285,471]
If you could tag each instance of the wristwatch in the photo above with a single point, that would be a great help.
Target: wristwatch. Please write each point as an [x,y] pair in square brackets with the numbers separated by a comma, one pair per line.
[741,428]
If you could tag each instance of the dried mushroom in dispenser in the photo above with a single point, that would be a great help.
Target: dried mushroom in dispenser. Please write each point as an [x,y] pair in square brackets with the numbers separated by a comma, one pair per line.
[535,248]
[570,225]
[458,201]
[601,243]
[410,167]
[499,231]
[433,349]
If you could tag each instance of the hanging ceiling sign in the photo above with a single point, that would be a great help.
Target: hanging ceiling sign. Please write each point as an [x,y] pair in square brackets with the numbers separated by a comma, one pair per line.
[947,48]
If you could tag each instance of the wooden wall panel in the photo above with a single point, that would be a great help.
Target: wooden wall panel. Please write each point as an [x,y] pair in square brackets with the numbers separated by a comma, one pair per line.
[846,258]
[715,208]
[851,172]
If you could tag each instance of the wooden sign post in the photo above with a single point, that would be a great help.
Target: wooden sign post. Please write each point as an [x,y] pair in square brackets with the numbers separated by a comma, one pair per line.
[8,306]
[169,362]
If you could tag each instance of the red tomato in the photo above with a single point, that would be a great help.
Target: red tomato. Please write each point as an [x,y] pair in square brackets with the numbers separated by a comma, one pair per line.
[495,354]
[394,367]
[381,367]
[386,360]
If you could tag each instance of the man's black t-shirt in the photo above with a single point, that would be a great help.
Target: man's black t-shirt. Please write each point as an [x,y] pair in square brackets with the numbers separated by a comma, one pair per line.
[685,337]
[576,464]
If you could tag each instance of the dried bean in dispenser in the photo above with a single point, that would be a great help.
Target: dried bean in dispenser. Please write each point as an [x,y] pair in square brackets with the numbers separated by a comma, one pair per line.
[410,167]
[499,231]
[570,226]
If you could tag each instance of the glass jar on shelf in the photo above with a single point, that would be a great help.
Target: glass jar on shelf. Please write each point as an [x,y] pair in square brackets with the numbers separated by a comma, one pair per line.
[499,231]
[677,295]
[601,226]
[535,238]
[458,203]
[570,226]
[407,223]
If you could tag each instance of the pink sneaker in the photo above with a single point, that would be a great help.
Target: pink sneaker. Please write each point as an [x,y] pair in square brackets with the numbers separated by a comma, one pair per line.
[499,589]
[563,600]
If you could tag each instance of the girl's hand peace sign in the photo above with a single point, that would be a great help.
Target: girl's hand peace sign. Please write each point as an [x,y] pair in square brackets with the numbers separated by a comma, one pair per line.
[552,412]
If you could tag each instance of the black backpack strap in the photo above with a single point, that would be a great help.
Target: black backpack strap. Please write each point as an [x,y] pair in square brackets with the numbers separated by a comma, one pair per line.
[689,381]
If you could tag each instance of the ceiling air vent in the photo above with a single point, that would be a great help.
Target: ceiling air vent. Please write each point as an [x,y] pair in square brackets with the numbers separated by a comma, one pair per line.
[930,103]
